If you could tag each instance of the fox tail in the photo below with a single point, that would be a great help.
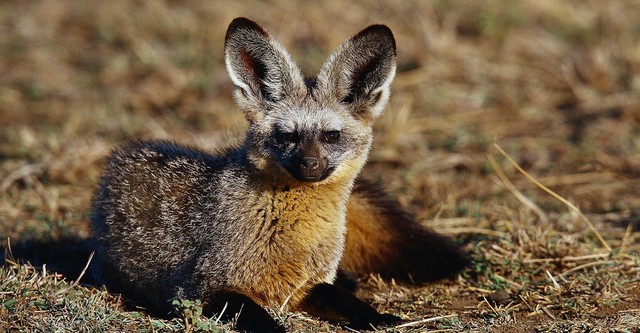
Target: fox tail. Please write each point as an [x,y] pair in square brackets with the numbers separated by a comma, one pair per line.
[383,238]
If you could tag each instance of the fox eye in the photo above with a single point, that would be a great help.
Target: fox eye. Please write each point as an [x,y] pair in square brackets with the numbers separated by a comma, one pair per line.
[331,136]
[290,137]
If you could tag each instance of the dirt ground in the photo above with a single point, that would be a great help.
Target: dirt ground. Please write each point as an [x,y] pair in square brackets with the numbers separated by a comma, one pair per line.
[513,127]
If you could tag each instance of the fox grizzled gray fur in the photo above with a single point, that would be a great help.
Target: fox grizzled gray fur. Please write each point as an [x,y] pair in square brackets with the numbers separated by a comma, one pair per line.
[264,224]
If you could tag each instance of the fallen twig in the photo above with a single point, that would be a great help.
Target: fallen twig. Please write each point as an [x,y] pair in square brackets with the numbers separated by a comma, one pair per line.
[427,320]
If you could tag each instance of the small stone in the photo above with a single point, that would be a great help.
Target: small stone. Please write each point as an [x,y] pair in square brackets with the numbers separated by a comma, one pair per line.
[500,297]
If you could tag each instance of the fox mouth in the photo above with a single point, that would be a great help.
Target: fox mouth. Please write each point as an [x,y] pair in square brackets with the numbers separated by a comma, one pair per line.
[311,178]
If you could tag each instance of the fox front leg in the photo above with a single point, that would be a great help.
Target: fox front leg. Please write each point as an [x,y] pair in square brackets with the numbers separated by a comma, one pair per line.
[250,317]
[333,303]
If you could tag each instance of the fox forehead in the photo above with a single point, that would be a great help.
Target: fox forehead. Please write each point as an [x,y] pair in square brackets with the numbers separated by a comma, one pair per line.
[310,120]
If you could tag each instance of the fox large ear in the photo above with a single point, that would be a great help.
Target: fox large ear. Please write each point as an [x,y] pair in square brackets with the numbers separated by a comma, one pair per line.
[260,67]
[360,71]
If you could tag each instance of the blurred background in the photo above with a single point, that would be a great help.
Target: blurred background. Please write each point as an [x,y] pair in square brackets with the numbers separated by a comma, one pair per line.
[556,84]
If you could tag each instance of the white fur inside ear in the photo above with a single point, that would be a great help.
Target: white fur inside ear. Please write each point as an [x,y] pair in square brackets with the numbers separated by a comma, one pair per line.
[243,95]
[235,78]
[385,92]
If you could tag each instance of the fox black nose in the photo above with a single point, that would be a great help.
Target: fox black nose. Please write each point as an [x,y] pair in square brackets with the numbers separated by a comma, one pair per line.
[309,163]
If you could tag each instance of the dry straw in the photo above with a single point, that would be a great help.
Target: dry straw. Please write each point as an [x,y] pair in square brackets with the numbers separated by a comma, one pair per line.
[555,195]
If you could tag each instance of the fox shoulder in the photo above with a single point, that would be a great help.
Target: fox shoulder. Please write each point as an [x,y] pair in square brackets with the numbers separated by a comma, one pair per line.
[383,238]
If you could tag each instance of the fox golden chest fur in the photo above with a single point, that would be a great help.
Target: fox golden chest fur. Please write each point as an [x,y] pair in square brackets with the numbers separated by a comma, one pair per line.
[265,224]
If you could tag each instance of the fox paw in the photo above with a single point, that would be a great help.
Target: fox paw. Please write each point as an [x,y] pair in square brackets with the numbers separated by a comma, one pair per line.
[379,320]
[387,319]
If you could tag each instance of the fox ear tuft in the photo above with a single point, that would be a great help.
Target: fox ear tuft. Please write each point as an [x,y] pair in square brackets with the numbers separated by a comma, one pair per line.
[259,66]
[243,23]
[360,71]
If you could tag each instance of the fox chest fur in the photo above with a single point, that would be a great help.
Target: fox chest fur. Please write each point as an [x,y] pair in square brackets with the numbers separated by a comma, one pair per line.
[292,239]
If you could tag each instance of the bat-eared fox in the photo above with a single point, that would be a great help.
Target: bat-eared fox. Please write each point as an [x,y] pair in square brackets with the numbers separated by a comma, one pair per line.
[271,222]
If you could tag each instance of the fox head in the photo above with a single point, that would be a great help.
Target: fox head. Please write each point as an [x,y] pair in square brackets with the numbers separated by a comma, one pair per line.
[309,129]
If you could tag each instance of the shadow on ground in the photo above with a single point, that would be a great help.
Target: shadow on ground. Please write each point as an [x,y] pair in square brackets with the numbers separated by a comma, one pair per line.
[66,256]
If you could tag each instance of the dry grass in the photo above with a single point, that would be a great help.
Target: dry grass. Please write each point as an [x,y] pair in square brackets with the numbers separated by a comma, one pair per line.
[554,83]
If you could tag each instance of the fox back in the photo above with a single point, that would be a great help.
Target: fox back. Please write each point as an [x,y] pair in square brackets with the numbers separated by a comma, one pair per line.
[261,224]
